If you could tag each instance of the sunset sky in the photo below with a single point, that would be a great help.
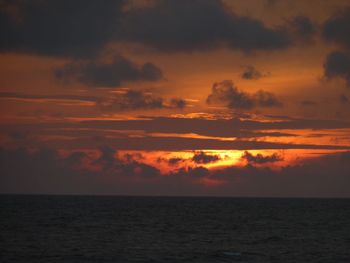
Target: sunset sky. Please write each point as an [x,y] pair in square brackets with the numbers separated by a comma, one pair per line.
[175,97]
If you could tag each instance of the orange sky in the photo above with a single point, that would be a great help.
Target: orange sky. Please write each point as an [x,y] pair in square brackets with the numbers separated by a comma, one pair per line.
[155,100]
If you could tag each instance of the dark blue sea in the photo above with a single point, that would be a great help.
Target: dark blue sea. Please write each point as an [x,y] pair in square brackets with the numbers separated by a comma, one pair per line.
[173,229]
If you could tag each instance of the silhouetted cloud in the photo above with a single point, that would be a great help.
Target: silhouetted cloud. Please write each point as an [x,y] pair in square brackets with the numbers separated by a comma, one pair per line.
[111,163]
[203,158]
[197,172]
[135,99]
[101,74]
[178,103]
[338,65]
[83,29]
[75,158]
[250,72]
[261,159]
[266,99]
[337,28]
[58,27]
[318,176]
[107,157]
[198,25]
[227,93]
[175,161]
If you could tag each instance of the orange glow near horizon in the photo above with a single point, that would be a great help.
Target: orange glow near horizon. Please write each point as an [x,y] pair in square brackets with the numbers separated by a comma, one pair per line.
[161,160]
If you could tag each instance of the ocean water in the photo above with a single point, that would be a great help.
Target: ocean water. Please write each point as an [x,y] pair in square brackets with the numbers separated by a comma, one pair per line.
[173,229]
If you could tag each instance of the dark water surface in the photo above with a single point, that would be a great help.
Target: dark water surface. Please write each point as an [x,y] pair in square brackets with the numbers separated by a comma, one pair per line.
[173,229]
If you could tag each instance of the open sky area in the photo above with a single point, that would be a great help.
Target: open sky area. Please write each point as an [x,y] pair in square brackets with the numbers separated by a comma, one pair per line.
[175,97]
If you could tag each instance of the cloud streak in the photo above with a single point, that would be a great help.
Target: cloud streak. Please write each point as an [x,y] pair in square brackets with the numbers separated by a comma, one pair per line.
[123,101]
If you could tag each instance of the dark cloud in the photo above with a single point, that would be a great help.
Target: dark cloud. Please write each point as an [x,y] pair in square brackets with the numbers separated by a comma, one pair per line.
[261,159]
[178,103]
[175,160]
[197,172]
[266,99]
[135,100]
[338,65]
[46,171]
[112,164]
[319,176]
[132,100]
[83,29]
[75,158]
[107,157]
[198,25]
[113,74]
[58,27]
[337,28]
[227,93]
[250,73]
[203,158]
[129,157]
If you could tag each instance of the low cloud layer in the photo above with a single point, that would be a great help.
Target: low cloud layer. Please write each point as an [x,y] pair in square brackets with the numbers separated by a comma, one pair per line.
[45,171]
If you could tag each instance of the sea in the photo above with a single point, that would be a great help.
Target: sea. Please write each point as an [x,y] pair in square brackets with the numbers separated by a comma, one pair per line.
[47,228]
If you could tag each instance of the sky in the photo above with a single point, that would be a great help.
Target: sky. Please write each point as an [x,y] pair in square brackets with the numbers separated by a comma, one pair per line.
[175,97]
